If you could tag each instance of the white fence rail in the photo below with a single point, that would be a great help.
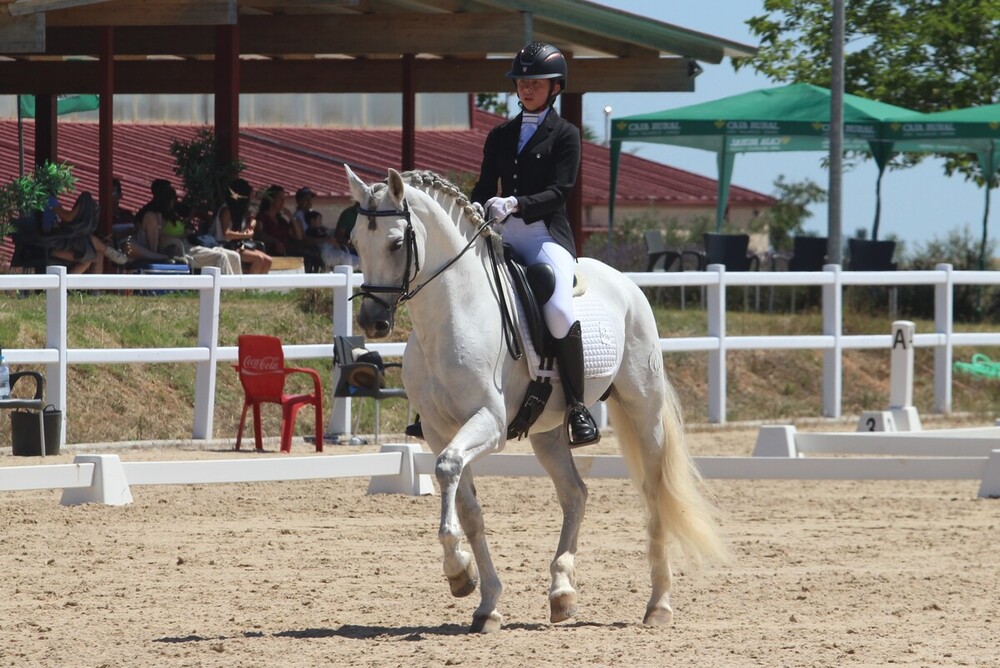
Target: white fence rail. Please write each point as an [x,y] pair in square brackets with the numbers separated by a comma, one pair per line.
[405,469]
[206,354]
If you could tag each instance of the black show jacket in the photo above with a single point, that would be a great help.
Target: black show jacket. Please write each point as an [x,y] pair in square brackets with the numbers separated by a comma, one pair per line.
[541,176]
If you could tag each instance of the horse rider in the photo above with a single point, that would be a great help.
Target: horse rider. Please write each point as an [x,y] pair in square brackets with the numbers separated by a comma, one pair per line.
[536,158]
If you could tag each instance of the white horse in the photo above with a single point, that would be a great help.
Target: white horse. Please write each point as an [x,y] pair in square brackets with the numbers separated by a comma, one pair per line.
[421,242]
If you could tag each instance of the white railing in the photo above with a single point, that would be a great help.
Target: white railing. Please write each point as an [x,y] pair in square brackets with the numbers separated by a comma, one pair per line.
[407,469]
[206,354]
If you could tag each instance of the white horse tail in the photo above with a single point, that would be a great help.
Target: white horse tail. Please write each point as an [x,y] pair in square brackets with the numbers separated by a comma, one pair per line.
[670,484]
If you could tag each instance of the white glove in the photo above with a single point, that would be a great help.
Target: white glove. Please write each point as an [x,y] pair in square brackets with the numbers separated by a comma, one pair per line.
[501,207]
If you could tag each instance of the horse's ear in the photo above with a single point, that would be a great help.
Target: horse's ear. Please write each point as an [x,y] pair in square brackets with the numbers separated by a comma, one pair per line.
[359,190]
[395,181]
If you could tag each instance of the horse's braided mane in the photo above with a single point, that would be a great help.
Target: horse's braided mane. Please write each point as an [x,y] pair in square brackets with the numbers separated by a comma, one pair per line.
[426,181]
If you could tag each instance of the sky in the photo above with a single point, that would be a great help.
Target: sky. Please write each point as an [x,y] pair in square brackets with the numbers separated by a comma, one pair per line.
[918,204]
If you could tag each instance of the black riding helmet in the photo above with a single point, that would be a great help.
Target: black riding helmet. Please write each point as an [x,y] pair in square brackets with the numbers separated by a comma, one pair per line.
[539,60]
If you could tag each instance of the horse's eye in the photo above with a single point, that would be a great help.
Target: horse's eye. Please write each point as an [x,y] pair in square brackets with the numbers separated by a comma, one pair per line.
[396,245]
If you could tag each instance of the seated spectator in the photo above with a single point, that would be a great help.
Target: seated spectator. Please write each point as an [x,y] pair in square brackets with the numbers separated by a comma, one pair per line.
[234,227]
[306,248]
[298,244]
[274,225]
[68,234]
[147,244]
[332,252]
[201,249]
[303,205]
[345,225]
[122,219]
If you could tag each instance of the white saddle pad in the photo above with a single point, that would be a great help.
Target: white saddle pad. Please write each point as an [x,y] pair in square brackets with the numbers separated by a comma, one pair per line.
[600,345]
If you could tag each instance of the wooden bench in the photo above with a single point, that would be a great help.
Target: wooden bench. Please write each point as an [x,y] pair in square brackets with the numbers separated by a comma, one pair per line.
[287,264]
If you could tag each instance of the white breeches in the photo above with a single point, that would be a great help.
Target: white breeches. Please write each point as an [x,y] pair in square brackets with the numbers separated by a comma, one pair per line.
[535,245]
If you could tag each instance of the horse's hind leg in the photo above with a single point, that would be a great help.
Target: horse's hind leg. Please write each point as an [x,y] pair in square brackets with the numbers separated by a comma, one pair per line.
[640,436]
[554,454]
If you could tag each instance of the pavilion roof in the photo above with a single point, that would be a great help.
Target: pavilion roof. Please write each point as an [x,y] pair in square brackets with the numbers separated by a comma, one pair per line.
[294,156]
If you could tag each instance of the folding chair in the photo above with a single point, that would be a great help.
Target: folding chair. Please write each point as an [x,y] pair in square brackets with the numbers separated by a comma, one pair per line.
[362,374]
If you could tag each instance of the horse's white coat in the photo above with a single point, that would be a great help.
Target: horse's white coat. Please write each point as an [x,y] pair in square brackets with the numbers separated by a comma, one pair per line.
[467,388]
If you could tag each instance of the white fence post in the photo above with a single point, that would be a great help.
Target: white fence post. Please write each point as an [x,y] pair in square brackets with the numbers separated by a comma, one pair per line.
[833,358]
[108,485]
[408,481]
[717,357]
[944,307]
[56,338]
[343,323]
[206,372]
[990,486]
[901,408]
[901,364]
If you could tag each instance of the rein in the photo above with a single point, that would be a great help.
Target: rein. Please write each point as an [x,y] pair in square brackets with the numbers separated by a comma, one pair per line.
[370,291]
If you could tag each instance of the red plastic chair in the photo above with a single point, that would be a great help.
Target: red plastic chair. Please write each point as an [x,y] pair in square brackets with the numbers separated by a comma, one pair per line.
[262,373]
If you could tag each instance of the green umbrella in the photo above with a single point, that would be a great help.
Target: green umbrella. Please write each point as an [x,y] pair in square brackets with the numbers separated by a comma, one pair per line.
[970,130]
[787,118]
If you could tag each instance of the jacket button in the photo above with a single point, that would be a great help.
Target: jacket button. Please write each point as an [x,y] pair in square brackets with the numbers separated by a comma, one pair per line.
[515,176]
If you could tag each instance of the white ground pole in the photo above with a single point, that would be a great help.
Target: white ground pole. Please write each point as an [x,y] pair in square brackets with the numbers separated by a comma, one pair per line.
[902,415]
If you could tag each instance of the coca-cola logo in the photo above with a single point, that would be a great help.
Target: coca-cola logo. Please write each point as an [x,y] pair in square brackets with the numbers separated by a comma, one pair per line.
[261,364]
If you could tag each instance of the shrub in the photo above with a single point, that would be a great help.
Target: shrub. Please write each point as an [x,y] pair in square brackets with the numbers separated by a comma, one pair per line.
[30,193]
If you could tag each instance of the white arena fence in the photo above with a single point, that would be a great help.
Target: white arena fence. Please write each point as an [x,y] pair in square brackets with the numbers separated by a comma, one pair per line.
[207,355]
[406,469]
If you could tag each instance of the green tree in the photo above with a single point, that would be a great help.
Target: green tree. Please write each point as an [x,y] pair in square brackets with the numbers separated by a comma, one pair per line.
[30,193]
[492,102]
[785,218]
[205,178]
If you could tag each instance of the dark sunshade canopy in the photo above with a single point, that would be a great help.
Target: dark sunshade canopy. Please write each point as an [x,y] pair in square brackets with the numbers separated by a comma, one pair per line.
[787,118]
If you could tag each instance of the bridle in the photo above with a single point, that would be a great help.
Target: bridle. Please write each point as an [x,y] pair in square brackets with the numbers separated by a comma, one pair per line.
[372,291]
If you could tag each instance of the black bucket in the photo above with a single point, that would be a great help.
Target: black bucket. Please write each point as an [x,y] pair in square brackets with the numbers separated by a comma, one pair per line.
[24,435]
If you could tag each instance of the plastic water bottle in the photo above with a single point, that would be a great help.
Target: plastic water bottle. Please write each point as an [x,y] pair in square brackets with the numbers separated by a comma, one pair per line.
[4,378]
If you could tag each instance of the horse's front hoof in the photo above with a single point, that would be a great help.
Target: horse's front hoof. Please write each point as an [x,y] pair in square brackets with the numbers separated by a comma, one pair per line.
[658,617]
[490,623]
[562,606]
[464,581]
[462,585]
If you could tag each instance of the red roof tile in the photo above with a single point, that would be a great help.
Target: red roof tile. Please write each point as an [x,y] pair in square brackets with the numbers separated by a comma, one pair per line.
[293,157]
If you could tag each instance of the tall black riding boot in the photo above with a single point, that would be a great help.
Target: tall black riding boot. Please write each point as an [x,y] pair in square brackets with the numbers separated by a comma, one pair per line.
[569,353]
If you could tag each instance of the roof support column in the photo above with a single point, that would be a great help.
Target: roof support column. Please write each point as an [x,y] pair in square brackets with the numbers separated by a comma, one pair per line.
[227,92]
[106,145]
[572,111]
[409,151]
[46,134]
